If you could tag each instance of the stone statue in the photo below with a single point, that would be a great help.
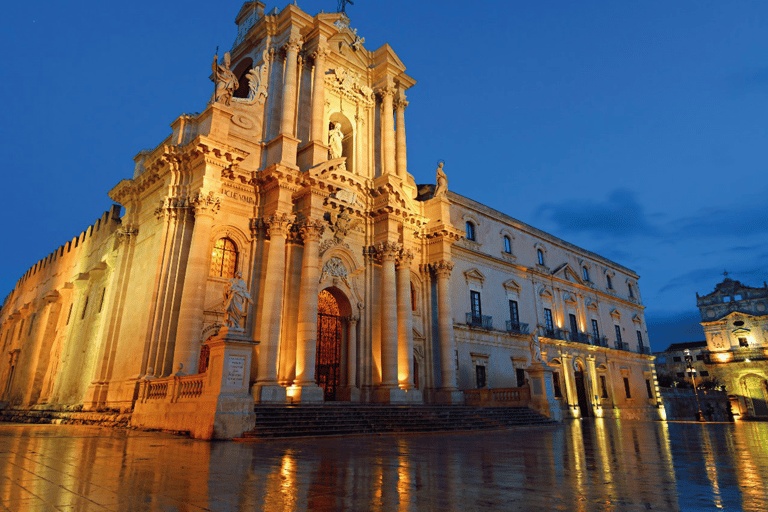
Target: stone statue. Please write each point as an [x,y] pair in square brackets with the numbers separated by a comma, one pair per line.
[535,346]
[334,141]
[442,181]
[236,299]
[225,80]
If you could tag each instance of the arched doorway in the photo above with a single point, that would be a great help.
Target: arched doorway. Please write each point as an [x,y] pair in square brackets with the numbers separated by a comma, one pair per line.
[581,390]
[329,342]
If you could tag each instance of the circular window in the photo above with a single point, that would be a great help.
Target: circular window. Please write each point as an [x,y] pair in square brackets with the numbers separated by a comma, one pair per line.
[710,314]
[738,323]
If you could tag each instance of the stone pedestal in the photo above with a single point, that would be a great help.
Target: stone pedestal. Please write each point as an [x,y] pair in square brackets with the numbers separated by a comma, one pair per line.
[448,396]
[348,394]
[282,150]
[311,154]
[543,398]
[269,394]
[396,396]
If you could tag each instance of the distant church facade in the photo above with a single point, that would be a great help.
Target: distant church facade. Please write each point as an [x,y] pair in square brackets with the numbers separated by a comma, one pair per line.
[358,284]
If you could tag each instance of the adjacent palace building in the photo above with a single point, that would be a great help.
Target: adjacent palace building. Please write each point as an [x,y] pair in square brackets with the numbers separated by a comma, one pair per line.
[361,285]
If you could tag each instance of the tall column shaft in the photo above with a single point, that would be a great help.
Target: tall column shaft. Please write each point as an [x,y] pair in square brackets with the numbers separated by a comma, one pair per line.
[445,325]
[306,345]
[279,225]
[187,347]
[318,96]
[287,121]
[352,353]
[404,321]
[389,362]
[389,132]
[402,157]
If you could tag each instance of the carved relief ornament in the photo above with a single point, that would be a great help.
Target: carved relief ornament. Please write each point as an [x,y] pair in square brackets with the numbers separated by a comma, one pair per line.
[278,224]
[311,230]
[388,251]
[348,84]
[335,269]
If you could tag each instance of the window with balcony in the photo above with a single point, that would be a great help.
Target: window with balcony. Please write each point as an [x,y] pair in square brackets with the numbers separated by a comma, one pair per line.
[595,330]
[549,325]
[475,304]
[574,328]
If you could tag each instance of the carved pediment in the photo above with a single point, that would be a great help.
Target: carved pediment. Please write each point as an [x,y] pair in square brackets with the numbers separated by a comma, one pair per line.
[511,285]
[591,304]
[566,272]
[569,298]
[615,313]
[636,319]
[474,275]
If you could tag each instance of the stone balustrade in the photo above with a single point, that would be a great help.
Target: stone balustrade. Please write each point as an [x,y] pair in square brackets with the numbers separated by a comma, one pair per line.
[509,397]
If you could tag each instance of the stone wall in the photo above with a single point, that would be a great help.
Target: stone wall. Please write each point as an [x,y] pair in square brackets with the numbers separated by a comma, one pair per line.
[680,404]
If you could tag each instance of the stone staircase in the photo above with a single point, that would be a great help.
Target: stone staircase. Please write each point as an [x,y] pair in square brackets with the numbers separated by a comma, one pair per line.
[342,419]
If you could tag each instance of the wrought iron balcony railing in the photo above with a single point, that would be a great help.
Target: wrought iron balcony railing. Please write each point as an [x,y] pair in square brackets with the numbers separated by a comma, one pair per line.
[581,337]
[622,345]
[483,321]
[642,349]
[554,334]
[517,327]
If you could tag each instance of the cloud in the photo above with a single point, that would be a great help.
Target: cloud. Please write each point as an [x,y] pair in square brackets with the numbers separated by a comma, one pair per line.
[621,215]
[743,220]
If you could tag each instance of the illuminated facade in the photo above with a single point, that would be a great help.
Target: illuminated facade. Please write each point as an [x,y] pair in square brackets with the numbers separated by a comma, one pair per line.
[365,287]
[735,323]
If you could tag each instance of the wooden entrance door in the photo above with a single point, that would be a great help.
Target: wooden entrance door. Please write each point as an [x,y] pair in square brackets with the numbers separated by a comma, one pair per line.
[581,393]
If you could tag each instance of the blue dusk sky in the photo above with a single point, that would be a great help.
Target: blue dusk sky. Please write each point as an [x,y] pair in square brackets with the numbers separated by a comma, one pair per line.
[636,130]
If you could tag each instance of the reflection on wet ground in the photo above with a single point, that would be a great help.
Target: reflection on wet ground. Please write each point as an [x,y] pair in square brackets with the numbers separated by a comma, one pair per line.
[581,465]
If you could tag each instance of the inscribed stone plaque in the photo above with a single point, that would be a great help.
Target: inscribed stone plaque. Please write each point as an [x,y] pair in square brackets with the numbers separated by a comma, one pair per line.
[236,370]
[536,387]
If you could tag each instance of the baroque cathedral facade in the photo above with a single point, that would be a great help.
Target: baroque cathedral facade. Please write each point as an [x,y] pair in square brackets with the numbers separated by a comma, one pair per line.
[363,285]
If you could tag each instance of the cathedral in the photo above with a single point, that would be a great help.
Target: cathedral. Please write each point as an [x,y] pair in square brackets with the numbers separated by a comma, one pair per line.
[275,249]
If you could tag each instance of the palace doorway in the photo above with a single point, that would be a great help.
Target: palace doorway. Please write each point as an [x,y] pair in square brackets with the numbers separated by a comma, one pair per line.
[581,390]
[329,343]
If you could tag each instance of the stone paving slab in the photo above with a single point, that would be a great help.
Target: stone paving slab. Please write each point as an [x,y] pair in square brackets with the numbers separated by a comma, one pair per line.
[581,465]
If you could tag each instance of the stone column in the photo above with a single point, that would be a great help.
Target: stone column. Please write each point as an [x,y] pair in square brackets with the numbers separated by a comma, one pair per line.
[402,157]
[388,152]
[569,381]
[351,391]
[266,388]
[306,344]
[404,321]
[318,95]
[442,271]
[388,251]
[190,323]
[287,121]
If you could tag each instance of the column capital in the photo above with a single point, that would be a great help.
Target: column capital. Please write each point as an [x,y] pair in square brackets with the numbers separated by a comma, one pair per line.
[442,268]
[404,259]
[205,204]
[353,320]
[279,224]
[400,104]
[388,251]
[386,91]
[311,230]
[293,44]
[320,53]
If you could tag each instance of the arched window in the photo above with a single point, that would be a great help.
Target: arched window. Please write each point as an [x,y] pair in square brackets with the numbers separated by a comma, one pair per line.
[631,291]
[224,259]
[507,245]
[610,283]
[540,255]
[585,273]
[471,231]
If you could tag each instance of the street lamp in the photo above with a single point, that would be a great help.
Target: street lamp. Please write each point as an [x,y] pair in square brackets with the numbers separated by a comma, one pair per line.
[692,373]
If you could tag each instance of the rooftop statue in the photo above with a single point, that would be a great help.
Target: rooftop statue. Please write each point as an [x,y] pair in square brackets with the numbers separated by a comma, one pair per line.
[442,181]
[225,80]
[236,299]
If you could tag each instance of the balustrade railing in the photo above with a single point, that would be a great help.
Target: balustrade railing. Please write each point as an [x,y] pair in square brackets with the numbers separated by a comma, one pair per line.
[483,321]
[172,388]
[518,328]
[497,397]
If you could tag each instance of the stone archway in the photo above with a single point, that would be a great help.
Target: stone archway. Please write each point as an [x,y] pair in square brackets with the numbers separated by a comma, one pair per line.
[581,389]
[332,311]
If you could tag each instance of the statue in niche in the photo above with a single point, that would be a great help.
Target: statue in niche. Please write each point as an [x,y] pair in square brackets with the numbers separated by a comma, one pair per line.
[236,300]
[335,138]
[442,181]
[225,80]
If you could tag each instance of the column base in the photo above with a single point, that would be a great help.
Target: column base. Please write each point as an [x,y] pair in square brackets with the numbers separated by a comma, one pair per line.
[95,396]
[268,394]
[390,396]
[348,394]
[311,154]
[543,398]
[449,396]
[282,150]
[309,393]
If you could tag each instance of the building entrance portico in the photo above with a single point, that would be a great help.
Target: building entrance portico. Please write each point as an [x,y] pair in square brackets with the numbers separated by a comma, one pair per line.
[329,344]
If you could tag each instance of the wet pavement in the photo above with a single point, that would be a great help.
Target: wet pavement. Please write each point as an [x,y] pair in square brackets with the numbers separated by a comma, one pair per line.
[581,465]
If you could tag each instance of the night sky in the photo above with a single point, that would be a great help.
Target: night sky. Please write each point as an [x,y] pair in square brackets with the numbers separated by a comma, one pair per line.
[636,130]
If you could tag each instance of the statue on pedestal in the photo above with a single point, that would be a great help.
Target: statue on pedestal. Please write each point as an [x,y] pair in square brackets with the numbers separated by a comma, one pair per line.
[236,300]
[535,346]
[442,181]
[225,80]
